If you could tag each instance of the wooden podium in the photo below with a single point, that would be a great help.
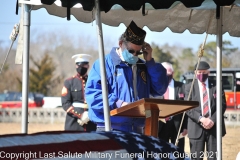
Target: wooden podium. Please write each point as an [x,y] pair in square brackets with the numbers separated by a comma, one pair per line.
[153,109]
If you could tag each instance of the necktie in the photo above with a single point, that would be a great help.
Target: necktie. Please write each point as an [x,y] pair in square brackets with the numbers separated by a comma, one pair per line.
[205,101]
[134,70]
[166,96]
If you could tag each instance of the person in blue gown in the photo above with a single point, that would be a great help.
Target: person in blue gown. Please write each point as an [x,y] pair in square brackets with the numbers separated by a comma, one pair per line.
[129,79]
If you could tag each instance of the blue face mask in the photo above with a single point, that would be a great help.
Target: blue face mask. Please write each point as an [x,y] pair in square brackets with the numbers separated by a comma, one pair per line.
[128,57]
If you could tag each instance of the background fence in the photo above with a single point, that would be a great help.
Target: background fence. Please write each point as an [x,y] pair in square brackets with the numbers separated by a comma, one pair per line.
[57,115]
[35,115]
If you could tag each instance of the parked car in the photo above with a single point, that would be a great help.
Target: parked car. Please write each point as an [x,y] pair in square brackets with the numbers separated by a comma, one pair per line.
[52,102]
[2,97]
[14,100]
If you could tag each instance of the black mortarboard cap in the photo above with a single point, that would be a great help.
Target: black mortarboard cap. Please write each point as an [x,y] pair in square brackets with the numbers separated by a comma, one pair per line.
[202,65]
[134,34]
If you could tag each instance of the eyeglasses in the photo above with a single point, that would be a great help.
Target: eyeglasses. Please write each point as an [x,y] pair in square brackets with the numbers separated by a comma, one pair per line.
[132,51]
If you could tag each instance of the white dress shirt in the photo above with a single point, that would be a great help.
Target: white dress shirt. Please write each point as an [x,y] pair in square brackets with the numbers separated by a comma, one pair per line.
[171,90]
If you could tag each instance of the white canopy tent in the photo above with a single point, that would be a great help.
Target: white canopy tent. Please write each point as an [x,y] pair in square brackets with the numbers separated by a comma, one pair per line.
[177,18]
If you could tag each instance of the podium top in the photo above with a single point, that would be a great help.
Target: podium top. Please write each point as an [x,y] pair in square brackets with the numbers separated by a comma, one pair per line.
[166,107]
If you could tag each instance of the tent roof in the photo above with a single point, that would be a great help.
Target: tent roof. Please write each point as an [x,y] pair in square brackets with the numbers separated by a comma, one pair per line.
[177,17]
[106,5]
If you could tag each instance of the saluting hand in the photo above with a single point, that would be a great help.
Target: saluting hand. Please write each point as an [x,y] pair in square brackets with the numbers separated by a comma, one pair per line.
[147,51]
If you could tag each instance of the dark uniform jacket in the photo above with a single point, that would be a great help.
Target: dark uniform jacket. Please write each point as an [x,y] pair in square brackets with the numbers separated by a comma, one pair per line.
[73,92]
[178,89]
[195,128]
[179,95]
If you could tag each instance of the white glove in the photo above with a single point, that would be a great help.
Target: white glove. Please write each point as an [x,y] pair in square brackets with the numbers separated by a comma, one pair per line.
[85,117]
[80,122]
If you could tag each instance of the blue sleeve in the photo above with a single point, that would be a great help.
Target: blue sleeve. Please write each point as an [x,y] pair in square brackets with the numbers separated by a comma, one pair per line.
[93,90]
[158,78]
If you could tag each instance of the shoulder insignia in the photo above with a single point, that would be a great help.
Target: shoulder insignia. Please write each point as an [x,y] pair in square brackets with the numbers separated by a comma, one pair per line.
[64,91]
[144,77]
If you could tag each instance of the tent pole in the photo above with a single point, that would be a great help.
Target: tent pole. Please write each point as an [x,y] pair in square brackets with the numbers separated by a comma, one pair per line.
[25,73]
[219,85]
[102,67]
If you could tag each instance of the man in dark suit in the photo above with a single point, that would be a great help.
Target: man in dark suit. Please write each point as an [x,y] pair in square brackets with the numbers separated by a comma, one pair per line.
[175,91]
[202,119]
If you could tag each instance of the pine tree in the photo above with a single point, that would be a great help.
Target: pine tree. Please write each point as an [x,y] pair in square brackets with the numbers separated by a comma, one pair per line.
[188,60]
[210,53]
[41,75]
[160,56]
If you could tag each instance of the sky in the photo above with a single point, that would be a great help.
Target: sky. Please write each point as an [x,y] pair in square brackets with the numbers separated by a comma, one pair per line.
[41,20]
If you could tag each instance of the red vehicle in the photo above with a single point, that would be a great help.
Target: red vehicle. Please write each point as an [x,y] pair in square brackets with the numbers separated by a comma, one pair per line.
[230,82]
[14,100]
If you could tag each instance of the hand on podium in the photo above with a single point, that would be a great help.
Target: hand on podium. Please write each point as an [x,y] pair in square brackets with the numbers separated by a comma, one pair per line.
[124,104]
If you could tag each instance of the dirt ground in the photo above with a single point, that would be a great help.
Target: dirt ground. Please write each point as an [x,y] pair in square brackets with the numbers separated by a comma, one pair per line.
[230,143]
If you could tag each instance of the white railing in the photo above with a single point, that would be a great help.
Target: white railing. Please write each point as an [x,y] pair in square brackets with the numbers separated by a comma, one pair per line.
[232,117]
[35,115]
[57,115]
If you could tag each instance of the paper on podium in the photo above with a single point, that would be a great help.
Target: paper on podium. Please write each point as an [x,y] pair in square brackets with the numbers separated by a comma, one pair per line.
[163,120]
